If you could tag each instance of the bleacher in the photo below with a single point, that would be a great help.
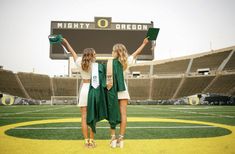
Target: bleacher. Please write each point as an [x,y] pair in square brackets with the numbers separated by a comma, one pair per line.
[143,69]
[194,85]
[230,66]
[173,67]
[228,82]
[211,61]
[37,85]
[139,88]
[65,86]
[169,79]
[164,88]
[9,84]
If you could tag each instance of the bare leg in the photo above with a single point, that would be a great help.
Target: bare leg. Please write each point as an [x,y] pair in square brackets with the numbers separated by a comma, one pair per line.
[123,107]
[112,132]
[92,141]
[113,141]
[92,135]
[84,124]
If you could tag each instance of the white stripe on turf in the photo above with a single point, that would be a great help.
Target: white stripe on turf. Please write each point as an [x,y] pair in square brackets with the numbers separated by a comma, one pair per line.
[159,127]
[193,112]
[35,111]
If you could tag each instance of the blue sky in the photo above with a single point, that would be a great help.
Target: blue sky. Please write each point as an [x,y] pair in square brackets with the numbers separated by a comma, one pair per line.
[187,27]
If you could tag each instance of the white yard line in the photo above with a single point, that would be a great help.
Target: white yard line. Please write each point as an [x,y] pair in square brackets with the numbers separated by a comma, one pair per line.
[46,113]
[35,111]
[76,117]
[193,112]
[158,127]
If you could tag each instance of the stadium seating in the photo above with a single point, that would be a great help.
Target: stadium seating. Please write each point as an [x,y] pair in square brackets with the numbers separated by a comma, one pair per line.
[65,86]
[169,79]
[173,67]
[9,84]
[139,88]
[194,85]
[228,82]
[164,88]
[143,69]
[211,61]
[36,85]
[230,66]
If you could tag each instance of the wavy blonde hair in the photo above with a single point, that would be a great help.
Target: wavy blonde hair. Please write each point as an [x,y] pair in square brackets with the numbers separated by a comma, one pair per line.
[87,58]
[120,52]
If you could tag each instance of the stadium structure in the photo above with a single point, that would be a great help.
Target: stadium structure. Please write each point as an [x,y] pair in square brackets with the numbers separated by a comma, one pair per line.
[185,78]
[207,79]
[210,72]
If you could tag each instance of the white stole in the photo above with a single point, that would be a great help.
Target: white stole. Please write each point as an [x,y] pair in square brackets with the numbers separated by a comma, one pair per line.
[95,75]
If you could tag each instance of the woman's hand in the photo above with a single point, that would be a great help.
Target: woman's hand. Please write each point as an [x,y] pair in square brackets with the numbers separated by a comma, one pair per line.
[64,41]
[146,40]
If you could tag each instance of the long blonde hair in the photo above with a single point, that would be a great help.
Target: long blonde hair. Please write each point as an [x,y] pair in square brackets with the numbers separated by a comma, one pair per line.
[87,58]
[120,52]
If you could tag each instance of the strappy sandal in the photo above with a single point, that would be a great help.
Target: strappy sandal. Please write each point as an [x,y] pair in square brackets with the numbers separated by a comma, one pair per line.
[120,141]
[113,142]
[92,143]
[87,144]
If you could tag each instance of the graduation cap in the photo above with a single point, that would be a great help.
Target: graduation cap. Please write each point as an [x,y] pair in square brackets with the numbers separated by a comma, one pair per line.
[152,33]
[58,39]
[55,38]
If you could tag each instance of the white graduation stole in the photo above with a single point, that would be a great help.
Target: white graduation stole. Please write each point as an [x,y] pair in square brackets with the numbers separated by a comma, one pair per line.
[95,75]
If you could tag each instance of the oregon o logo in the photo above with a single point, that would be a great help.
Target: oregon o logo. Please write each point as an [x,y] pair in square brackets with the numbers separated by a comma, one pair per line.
[7,100]
[102,23]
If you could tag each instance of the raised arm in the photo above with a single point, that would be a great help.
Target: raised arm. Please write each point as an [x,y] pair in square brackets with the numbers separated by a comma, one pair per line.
[138,51]
[66,44]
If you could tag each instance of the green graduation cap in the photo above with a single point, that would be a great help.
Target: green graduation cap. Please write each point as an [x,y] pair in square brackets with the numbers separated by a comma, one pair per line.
[55,38]
[152,33]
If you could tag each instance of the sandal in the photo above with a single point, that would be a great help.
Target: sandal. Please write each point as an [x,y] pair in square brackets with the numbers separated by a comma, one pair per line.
[87,144]
[120,141]
[113,142]
[92,143]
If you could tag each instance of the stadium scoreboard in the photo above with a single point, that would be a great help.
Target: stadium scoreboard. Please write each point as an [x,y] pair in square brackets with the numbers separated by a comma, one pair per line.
[101,35]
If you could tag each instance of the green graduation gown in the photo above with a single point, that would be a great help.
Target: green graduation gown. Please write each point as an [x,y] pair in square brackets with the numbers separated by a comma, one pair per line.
[114,116]
[97,105]
[103,103]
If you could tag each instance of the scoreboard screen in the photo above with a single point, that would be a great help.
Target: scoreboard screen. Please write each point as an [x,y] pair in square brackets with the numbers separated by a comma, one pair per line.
[100,35]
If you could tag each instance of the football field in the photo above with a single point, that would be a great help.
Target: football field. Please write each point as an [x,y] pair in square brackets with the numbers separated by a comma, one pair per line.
[150,129]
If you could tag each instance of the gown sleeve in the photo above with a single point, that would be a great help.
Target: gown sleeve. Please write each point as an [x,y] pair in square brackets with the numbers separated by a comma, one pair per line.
[119,77]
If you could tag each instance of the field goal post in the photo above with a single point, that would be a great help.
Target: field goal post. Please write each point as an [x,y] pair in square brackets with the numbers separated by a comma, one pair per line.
[64,100]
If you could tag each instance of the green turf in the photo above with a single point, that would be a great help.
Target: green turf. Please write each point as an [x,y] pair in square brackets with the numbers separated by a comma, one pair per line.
[72,131]
[216,114]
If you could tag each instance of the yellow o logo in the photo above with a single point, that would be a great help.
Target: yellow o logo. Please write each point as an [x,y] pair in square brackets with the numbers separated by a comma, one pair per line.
[7,97]
[103,23]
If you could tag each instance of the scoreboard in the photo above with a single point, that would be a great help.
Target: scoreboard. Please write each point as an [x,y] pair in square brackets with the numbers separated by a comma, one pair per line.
[101,35]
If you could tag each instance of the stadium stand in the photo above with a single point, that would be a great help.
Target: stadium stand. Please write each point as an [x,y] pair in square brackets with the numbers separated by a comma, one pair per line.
[173,67]
[164,88]
[211,61]
[65,86]
[37,85]
[230,66]
[143,69]
[139,88]
[194,85]
[158,80]
[228,82]
[9,84]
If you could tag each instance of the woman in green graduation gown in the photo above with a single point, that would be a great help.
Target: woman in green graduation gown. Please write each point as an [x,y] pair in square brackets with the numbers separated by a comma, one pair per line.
[120,52]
